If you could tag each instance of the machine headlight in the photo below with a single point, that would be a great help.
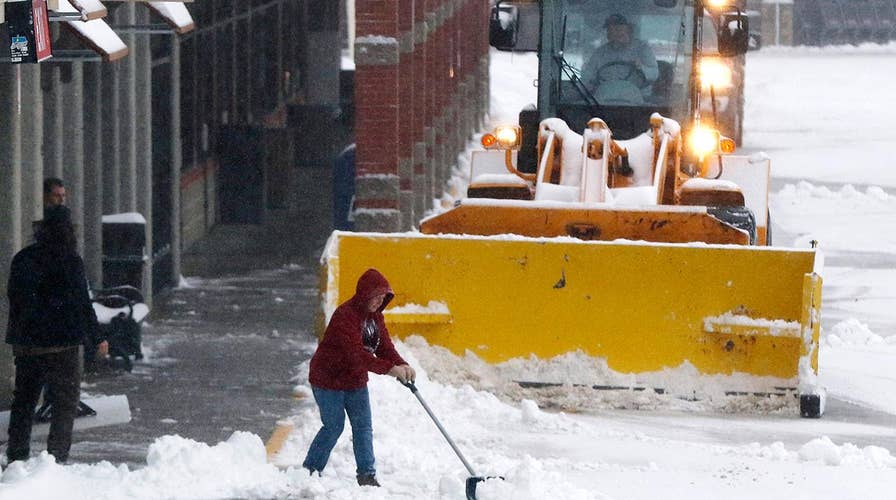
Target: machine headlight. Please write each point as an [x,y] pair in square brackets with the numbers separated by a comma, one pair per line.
[720,4]
[508,136]
[704,141]
[715,73]
[503,137]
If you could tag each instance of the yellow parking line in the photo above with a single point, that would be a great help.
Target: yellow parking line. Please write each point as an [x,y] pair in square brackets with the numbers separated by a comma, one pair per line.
[278,437]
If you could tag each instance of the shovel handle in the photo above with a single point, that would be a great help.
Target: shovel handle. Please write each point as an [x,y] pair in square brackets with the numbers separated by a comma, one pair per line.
[413,388]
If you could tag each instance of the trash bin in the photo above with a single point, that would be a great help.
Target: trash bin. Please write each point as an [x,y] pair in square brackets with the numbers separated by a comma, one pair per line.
[124,249]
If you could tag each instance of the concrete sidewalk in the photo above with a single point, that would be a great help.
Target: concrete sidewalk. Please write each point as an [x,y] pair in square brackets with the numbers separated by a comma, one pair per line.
[222,349]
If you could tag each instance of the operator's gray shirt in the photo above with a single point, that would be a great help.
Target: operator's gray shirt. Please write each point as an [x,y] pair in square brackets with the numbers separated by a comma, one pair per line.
[638,52]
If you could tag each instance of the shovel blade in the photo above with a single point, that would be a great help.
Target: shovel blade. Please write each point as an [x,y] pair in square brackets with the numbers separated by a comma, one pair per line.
[474,480]
[471,486]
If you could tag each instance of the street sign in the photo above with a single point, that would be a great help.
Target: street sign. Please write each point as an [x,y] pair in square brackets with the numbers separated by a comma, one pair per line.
[29,32]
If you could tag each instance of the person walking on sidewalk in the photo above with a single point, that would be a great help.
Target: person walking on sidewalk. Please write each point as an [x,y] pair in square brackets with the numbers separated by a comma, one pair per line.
[355,342]
[54,192]
[49,316]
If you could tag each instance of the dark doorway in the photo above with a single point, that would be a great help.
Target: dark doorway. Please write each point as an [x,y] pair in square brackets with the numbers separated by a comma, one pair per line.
[241,175]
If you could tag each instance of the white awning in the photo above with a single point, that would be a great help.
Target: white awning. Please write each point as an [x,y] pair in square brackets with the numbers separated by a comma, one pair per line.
[95,33]
[175,14]
[90,9]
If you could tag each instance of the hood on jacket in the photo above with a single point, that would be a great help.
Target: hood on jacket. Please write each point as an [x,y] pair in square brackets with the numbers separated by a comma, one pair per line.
[371,284]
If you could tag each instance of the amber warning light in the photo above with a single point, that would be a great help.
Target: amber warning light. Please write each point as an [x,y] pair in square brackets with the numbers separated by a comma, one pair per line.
[489,140]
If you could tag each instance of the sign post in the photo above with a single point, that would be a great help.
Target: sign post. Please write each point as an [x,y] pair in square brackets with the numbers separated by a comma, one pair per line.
[29,31]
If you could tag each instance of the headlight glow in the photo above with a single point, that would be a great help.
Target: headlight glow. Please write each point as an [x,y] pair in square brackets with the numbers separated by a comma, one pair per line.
[715,73]
[508,136]
[715,4]
[704,141]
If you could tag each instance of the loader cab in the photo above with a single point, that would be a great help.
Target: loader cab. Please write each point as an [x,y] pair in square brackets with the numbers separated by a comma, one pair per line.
[572,31]
[592,83]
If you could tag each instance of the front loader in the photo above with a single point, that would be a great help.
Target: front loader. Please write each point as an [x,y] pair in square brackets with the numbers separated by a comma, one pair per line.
[649,251]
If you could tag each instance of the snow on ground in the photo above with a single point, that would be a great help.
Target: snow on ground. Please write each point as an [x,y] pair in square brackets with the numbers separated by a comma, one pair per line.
[821,116]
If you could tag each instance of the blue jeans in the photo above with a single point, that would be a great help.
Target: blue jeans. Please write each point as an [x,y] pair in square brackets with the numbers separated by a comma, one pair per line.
[334,405]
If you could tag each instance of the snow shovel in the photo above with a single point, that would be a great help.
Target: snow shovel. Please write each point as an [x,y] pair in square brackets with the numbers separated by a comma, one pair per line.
[473,480]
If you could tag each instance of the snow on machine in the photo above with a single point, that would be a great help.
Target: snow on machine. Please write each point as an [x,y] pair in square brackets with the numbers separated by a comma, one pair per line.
[648,249]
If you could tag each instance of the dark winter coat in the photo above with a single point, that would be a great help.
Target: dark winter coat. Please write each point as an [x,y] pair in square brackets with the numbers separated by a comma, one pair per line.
[49,304]
[356,341]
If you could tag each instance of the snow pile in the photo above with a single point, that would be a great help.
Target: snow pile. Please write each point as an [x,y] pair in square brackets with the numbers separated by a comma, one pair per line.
[566,383]
[410,449]
[824,450]
[837,218]
[854,333]
[176,468]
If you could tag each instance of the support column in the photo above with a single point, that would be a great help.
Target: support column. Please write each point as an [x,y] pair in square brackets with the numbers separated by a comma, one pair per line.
[176,159]
[10,201]
[484,74]
[111,128]
[53,127]
[322,50]
[377,54]
[128,116]
[73,149]
[778,23]
[11,162]
[32,149]
[422,201]
[93,173]
[142,84]
[406,90]
[430,92]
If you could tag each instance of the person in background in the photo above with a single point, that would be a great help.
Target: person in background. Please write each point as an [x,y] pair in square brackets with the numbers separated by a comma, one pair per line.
[355,342]
[50,314]
[54,192]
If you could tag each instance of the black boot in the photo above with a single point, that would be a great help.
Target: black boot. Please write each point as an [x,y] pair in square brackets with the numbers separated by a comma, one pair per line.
[367,480]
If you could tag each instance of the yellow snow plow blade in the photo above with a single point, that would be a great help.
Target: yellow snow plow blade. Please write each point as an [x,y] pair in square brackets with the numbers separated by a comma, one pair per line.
[641,306]
[668,224]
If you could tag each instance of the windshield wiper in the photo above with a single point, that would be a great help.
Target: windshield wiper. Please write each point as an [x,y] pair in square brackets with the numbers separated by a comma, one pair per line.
[573,75]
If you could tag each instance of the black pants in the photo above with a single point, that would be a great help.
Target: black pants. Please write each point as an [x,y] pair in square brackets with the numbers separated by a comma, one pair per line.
[61,372]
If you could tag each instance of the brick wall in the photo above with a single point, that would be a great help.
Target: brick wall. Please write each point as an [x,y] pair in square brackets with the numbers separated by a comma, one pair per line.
[420,92]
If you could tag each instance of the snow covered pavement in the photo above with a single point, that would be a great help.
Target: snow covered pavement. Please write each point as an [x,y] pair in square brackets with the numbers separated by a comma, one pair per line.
[822,115]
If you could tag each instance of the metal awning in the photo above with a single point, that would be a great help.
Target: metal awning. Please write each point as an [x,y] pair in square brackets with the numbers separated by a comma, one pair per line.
[94,33]
[89,9]
[175,15]
[84,19]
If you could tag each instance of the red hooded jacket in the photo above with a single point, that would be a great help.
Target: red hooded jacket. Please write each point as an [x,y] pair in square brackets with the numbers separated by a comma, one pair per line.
[342,360]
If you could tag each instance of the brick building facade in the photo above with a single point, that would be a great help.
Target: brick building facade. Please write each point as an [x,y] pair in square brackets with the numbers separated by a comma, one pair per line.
[421,90]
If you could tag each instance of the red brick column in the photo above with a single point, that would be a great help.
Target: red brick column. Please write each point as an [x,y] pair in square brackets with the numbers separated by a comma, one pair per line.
[441,99]
[420,95]
[406,92]
[431,90]
[484,78]
[377,83]
[418,112]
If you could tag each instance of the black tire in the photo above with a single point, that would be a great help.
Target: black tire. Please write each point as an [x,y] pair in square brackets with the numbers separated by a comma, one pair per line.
[738,216]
